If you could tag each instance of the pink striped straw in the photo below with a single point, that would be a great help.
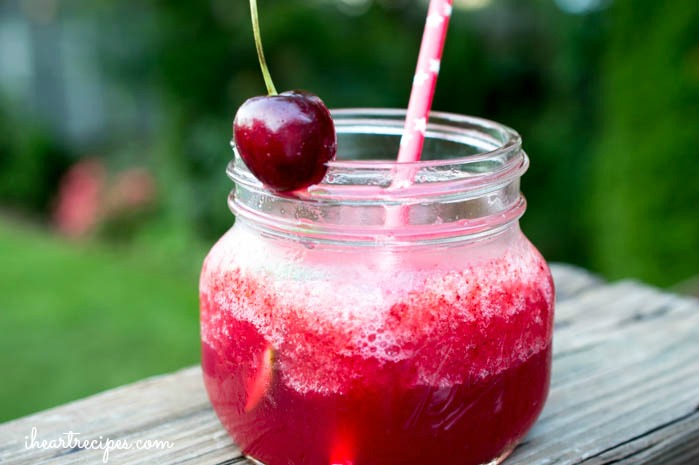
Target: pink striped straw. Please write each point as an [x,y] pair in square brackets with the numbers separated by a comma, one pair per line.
[425,80]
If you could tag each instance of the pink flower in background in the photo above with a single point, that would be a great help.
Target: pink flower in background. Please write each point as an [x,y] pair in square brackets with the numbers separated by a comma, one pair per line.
[80,196]
[132,189]
[87,197]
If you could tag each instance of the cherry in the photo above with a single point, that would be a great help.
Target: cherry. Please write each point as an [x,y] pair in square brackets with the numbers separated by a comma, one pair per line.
[285,140]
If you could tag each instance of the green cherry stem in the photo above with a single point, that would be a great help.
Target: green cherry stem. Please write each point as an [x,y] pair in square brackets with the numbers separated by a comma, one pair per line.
[271,90]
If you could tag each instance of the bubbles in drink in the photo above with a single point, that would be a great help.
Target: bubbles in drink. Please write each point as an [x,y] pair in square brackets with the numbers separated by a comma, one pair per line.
[331,330]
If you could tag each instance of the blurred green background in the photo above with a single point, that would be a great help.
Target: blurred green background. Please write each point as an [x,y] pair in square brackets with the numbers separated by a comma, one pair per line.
[115,118]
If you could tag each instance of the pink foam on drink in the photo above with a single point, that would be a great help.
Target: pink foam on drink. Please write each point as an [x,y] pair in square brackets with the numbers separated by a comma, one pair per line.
[439,328]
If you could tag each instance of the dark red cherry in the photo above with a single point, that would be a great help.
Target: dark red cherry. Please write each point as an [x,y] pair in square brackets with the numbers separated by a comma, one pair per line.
[285,140]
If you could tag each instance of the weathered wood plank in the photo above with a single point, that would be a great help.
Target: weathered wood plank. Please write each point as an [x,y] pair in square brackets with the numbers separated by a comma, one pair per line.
[625,380]
[625,390]
[572,281]
[172,407]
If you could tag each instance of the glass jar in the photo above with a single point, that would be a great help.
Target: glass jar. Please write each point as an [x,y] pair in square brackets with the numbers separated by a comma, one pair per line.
[393,314]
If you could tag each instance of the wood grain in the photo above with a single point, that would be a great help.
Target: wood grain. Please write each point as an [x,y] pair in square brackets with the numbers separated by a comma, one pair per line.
[625,390]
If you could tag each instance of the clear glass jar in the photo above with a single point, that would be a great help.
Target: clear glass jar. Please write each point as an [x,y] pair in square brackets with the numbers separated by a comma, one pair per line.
[393,314]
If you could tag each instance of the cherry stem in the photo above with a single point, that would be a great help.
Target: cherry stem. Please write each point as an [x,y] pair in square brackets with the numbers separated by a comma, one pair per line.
[271,90]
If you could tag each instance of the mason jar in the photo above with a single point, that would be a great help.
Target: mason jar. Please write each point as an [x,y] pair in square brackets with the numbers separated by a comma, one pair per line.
[393,314]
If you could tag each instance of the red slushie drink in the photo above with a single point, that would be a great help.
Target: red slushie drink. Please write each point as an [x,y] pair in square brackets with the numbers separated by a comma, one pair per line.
[364,323]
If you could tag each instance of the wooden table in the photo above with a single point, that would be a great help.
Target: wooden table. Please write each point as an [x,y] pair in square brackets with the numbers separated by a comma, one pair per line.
[625,390]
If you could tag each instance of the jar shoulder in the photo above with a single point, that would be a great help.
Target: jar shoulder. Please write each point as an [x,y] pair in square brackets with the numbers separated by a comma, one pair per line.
[509,257]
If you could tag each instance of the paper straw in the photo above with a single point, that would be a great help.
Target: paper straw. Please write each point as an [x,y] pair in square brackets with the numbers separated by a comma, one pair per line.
[425,81]
[424,84]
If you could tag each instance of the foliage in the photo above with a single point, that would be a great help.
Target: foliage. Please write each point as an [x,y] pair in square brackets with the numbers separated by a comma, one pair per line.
[646,178]
[31,162]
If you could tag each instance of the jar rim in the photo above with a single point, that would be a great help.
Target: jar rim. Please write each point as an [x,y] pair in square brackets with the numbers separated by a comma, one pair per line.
[510,139]
[492,157]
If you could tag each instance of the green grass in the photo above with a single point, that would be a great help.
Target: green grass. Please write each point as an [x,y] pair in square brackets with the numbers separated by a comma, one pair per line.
[79,318]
